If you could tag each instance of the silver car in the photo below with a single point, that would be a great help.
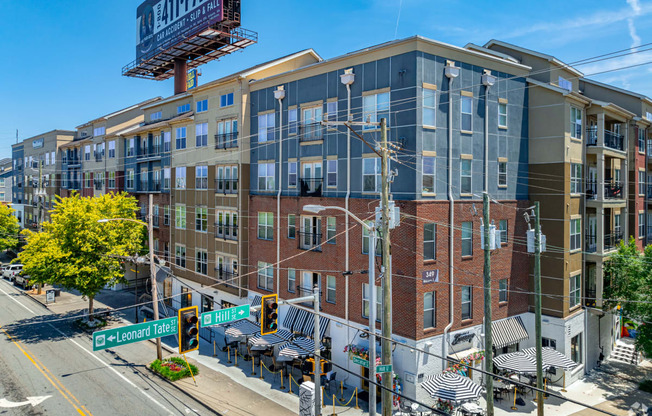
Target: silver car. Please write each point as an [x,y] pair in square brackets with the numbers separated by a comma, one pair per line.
[11,271]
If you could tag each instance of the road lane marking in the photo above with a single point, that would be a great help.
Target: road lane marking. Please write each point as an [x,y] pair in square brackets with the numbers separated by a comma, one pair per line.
[16,300]
[24,350]
[34,400]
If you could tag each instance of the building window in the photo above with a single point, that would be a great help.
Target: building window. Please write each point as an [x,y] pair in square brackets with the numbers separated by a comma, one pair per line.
[202,106]
[429,109]
[375,107]
[641,140]
[371,178]
[429,241]
[502,173]
[181,177]
[201,219]
[502,226]
[467,302]
[180,216]
[641,225]
[266,125]
[428,174]
[180,255]
[502,290]
[112,149]
[365,241]
[184,108]
[466,113]
[201,135]
[292,226]
[166,215]
[227,134]
[575,290]
[167,292]
[502,115]
[292,174]
[155,116]
[576,178]
[201,177]
[130,179]
[166,178]
[99,131]
[311,123]
[331,111]
[181,138]
[575,234]
[266,176]
[330,230]
[429,312]
[467,238]
[330,289]
[111,179]
[87,152]
[576,348]
[548,342]
[292,280]
[265,276]
[186,297]
[155,220]
[201,262]
[206,303]
[641,182]
[167,141]
[131,147]
[331,173]
[576,123]
[226,99]
[266,225]
[292,121]
[465,176]
[365,301]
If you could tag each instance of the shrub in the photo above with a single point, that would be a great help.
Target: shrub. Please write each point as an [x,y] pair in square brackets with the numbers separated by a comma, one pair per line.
[646,385]
[173,368]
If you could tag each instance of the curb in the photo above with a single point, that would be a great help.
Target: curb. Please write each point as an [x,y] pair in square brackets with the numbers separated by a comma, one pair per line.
[36,300]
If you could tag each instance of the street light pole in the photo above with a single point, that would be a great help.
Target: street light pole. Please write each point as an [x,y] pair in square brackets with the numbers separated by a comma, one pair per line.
[152,270]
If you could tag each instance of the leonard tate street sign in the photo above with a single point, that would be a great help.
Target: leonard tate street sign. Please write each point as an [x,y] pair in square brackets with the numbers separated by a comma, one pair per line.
[224,315]
[115,337]
[382,368]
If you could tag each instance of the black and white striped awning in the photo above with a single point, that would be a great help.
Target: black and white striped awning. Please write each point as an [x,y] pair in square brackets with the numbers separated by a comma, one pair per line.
[298,347]
[256,302]
[518,362]
[309,326]
[263,342]
[451,386]
[291,318]
[508,331]
[552,357]
[242,328]
[300,321]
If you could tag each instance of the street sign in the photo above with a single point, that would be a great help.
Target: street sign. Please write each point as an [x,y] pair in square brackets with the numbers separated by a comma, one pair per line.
[360,361]
[384,368]
[115,337]
[224,315]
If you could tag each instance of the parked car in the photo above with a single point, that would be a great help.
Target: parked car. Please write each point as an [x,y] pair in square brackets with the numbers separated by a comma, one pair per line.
[22,280]
[11,271]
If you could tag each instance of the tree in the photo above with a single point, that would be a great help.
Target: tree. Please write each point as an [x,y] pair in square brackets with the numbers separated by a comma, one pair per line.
[76,251]
[9,228]
[628,283]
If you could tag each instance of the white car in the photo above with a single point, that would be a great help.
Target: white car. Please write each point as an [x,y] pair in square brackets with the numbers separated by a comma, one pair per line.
[11,271]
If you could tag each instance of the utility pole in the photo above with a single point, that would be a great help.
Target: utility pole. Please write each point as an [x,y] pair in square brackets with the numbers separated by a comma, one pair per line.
[372,321]
[152,269]
[317,353]
[488,343]
[39,195]
[386,350]
[537,306]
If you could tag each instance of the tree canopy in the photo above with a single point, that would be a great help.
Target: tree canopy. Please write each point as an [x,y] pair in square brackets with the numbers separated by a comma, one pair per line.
[76,251]
[9,228]
[628,283]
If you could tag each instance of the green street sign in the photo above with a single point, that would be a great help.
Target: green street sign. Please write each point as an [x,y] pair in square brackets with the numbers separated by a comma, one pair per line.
[224,316]
[115,337]
[360,361]
[384,368]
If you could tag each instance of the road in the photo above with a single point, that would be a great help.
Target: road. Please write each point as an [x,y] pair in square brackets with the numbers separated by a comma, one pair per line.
[45,357]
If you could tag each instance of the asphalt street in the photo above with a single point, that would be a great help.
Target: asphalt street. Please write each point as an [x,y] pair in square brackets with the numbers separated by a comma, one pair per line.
[47,367]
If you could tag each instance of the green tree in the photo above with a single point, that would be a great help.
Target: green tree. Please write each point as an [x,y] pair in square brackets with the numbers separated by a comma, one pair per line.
[76,251]
[9,228]
[628,283]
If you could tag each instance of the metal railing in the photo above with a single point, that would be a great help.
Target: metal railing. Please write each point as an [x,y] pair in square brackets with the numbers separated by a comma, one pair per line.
[227,232]
[591,243]
[311,186]
[612,190]
[612,240]
[309,241]
[226,186]
[149,151]
[592,136]
[310,131]
[611,139]
[226,140]
[225,274]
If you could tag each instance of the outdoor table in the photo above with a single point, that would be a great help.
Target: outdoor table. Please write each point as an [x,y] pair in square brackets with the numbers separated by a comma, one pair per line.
[471,409]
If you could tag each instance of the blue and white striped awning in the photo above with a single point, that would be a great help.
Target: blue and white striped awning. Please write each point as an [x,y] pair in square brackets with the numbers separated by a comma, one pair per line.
[242,328]
[508,331]
[256,302]
[263,342]
[552,357]
[290,317]
[451,386]
[518,362]
[298,347]
[309,326]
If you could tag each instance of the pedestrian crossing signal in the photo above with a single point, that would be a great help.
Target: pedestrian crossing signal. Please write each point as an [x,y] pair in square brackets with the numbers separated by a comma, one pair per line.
[188,329]
[269,314]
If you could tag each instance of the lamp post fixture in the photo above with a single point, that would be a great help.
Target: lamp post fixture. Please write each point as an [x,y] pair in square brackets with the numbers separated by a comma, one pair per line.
[315,209]
[152,268]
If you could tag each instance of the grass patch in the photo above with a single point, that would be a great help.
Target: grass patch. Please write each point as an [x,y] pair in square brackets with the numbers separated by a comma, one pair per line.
[646,386]
[173,368]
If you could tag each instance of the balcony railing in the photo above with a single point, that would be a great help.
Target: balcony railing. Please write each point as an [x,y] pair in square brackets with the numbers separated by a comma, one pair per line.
[612,240]
[149,152]
[611,139]
[612,190]
[649,191]
[226,186]
[225,274]
[592,136]
[226,140]
[591,243]
[589,297]
[309,241]
[227,232]
[311,186]
[309,132]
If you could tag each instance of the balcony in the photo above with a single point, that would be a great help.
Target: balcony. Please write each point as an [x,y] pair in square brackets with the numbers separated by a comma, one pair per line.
[309,241]
[226,186]
[591,243]
[611,241]
[226,232]
[98,156]
[611,139]
[226,140]
[74,162]
[149,152]
[225,274]
[612,190]
[310,132]
[311,186]
[590,297]
[649,191]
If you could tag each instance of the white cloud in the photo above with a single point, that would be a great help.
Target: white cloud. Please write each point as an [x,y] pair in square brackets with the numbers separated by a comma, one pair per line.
[636,40]
[636,7]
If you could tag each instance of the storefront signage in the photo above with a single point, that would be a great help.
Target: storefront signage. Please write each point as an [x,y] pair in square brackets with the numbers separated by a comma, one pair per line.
[37,144]
[463,337]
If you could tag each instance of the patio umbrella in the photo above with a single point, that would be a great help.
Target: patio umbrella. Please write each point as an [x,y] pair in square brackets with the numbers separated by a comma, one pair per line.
[552,358]
[242,328]
[263,342]
[518,362]
[451,386]
[299,347]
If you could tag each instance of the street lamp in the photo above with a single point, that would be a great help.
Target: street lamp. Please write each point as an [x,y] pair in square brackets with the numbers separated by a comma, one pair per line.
[152,268]
[315,209]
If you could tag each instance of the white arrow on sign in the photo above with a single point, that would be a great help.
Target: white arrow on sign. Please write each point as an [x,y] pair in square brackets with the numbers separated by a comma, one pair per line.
[30,400]
[111,338]
[240,312]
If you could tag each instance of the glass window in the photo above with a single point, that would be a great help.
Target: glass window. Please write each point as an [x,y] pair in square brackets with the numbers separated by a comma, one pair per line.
[266,172]
[429,241]
[181,137]
[467,302]
[266,225]
[330,230]
[502,173]
[292,174]
[466,108]
[166,215]
[502,114]
[201,177]
[549,342]
[266,125]
[181,177]
[576,178]
[155,116]
[292,280]
[331,111]
[112,149]
[330,289]
[429,109]
[202,106]
[365,301]
[201,263]
[465,176]
[429,315]
[265,276]
[201,134]
[375,107]
[576,123]
[87,152]
[130,179]
[131,148]
[371,178]
[292,226]
[166,178]
[365,241]
[576,348]
[575,290]
[206,303]
[226,99]
[111,179]
[167,138]
[428,174]
[641,140]
[292,121]
[641,225]
[180,255]
[502,226]
[99,131]
[180,216]
[641,182]
[310,123]
[502,290]
[331,173]
[184,108]
[201,219]
[575,234]
[467,238]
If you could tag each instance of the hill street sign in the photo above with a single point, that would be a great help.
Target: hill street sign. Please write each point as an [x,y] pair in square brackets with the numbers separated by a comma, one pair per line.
[224,315]
[115,337]
[381,368]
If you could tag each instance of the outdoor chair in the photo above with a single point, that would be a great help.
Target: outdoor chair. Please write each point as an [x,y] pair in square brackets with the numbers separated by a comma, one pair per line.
[328,380]
[232,344]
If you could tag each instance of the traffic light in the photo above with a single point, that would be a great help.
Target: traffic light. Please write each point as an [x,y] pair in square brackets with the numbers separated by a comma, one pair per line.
[269,315]
[188,329]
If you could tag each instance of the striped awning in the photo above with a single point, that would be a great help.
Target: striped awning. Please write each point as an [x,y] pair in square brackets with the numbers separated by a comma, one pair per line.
[256,302]
[309,326]
[263,342]
[451,386]
[518,362]
[300,321]
[290,318]
[508,331]
[552,357]
[298,347]
[242,328]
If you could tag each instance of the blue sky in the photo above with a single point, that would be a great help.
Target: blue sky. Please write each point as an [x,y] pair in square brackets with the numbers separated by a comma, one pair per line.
[62,59]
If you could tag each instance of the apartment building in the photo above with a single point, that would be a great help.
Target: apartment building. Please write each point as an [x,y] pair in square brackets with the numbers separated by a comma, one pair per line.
[443,104]
[18,182]
[6,181]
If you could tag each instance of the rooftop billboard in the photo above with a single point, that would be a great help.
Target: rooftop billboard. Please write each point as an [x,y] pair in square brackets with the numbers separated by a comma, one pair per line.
[164,23]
